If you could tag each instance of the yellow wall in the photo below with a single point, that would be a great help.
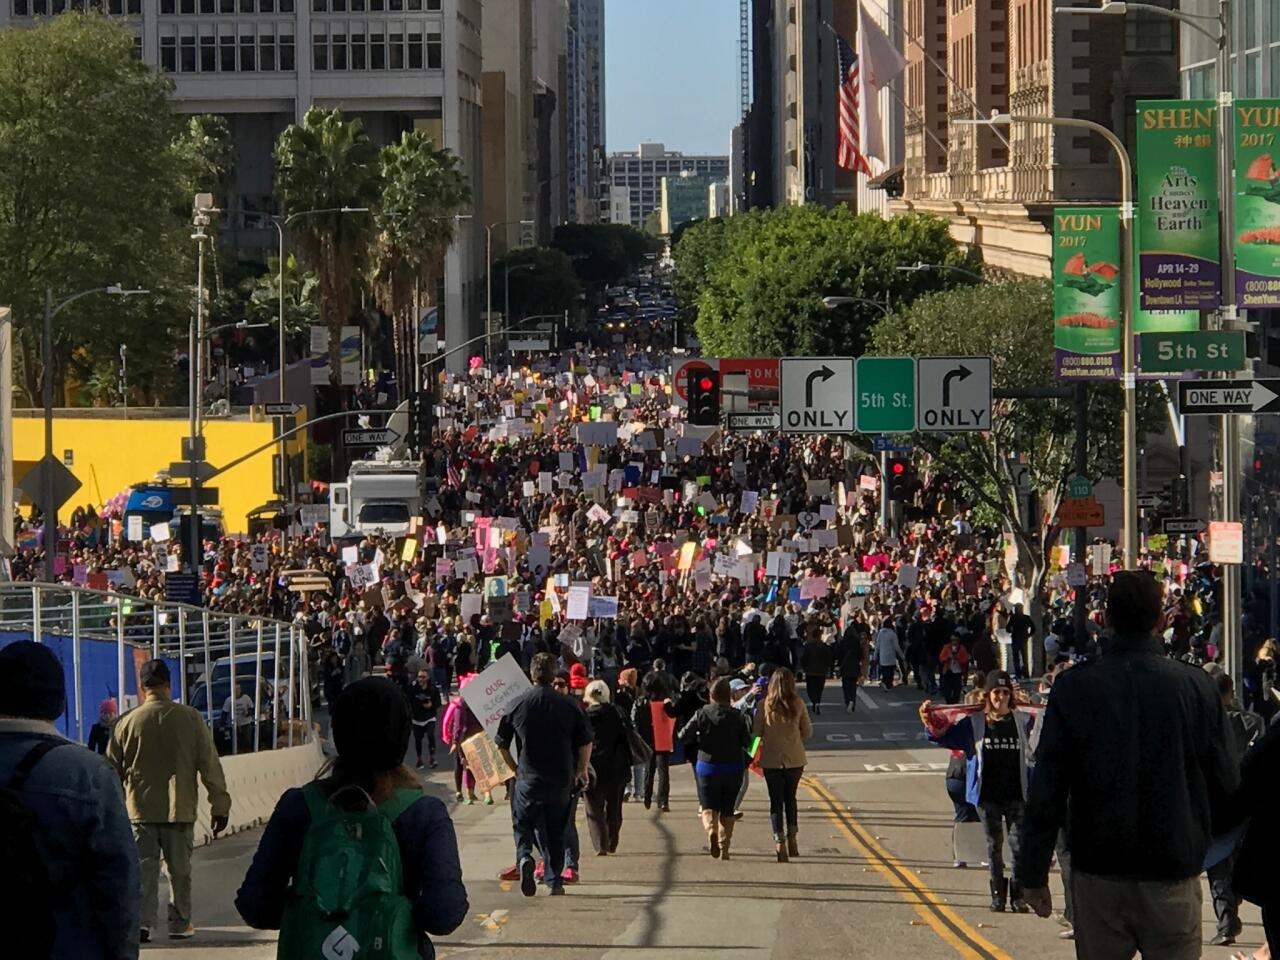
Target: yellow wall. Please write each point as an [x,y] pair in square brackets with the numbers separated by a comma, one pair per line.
[109,455]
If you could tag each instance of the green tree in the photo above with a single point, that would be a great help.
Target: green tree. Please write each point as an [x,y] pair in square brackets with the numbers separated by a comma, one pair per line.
[1013,324]
[760,279]
[550,287]
[328,163]
[88,197]
[422,192]
[603,253]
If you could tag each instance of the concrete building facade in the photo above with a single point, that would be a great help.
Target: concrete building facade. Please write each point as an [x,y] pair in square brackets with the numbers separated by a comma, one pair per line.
[642,170]
[584,60]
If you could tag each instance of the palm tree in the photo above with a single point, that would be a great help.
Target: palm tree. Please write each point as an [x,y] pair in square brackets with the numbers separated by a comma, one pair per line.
[422,192]
[328,164]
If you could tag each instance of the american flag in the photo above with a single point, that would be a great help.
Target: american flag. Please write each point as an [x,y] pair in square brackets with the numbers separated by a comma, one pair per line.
[849,152]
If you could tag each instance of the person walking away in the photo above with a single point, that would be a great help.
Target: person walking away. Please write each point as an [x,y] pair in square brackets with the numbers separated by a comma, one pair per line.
[953,662]
[424,704]
[815,661]
[723,741]
[72,887]
[611,759]
[691,699]
[996,741]
[848,659]
[553,739]
[158,749]
[100,732]
[1133,759]
[361,843]
[1020,628]
[1245,728]
[625,700]
[1254,877]
[459,724]
[888,653]
[358,665]
[656,726]
[783,724]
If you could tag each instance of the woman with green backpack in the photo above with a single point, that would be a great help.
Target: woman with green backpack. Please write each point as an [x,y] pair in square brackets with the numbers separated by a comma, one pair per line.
[358,862]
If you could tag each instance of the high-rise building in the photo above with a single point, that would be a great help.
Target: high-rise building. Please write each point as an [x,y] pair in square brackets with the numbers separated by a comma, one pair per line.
[584,59]
[998,186]
[394,64]
[642,171]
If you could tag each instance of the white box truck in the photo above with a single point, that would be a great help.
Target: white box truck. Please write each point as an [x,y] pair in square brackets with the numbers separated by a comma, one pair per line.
[378,497]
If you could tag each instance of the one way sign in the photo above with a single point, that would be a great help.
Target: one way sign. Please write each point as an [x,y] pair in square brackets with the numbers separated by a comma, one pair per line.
[1217,397]
[953,394]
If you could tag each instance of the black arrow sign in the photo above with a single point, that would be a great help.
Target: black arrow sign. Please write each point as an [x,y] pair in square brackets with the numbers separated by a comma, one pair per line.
[962,373]
[825,374]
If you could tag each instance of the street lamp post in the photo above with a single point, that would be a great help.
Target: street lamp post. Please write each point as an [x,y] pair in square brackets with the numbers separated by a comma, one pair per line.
[488,273]
[50,511]
[832,302]
[1129,375]
[920,265]
[1228,312]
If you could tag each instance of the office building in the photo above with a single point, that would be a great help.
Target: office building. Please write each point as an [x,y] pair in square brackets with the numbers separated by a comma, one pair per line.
[718,199]
[394,64]
[584,89]
[642,170]
[684,197]
[998,187]
[619,205]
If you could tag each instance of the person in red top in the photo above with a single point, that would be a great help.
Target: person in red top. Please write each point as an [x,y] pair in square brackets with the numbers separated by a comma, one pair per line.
[953,663]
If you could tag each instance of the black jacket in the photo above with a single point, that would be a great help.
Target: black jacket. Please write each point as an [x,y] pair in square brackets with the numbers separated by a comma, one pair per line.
[610,752]
[848,652]
[1255,876]
[722,734]
[1138,744]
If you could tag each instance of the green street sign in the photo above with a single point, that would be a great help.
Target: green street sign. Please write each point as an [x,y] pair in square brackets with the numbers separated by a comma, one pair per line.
[1079,487]
[1199,350]
[885,395]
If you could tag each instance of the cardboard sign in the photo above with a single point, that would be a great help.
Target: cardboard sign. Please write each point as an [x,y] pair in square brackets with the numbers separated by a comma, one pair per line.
[492,692]
[485,761]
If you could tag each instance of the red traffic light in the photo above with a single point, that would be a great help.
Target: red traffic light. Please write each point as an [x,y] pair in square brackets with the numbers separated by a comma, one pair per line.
[899,468]
[706,383]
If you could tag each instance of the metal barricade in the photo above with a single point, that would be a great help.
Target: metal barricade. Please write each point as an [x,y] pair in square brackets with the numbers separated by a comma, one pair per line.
[103,636]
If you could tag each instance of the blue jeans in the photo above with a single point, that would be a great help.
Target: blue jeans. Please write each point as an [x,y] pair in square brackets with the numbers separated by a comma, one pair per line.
[849,687]
[539,815]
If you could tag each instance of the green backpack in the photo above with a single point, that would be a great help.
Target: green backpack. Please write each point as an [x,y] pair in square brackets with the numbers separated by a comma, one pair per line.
[348,899]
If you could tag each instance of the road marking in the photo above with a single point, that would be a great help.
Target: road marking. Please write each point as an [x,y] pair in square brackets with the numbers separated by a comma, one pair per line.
[944,921]
[864,698]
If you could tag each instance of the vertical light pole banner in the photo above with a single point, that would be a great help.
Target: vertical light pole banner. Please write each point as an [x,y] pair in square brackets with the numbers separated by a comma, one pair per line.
[1087,296]
[1158,321]
[1177,215]
[1257,202]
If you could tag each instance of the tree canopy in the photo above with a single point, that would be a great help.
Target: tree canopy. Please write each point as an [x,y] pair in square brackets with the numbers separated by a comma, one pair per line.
[757,280]
[549,285]
[603,253]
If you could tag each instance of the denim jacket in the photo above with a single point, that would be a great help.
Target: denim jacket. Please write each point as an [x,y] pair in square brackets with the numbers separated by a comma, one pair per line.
[85,840]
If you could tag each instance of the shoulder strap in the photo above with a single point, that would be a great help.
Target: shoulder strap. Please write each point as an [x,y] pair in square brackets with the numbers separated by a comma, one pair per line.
[399,801]
[28,763]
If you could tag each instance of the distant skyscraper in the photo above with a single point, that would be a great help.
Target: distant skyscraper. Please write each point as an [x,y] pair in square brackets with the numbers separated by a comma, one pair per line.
[642,171]
[584,67]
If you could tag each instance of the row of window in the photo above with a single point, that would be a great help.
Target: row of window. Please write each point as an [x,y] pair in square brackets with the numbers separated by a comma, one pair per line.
[228,53]
[43,8]
[358,6]
[376,50]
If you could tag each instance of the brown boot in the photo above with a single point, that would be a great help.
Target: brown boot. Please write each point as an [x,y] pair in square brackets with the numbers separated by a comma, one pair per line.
[781,846]
[792,849]
[711,824]
[726,835]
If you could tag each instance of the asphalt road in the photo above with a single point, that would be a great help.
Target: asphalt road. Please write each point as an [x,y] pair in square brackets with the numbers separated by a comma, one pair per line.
[875,877]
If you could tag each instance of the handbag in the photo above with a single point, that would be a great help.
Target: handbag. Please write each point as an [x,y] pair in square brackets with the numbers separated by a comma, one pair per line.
[640,751]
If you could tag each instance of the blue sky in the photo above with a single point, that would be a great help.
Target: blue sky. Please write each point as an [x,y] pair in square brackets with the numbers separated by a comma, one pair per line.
[671,73]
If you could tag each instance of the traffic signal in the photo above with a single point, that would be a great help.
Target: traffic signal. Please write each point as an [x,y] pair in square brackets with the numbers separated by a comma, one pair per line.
[420,411]
[703,394]
[899,480]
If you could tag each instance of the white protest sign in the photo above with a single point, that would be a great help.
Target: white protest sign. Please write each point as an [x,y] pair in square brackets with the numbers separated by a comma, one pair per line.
[578,605]
[492,692]
[135,527]
[159,532]
[258,557]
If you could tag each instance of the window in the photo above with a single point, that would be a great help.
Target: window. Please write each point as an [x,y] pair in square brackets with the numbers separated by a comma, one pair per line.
[357,6]
[1252,74]
[319,52]
[377,51]
[1148,33]
[169,54]
[319,6]
[134,7]
[286,6]
[359,52]
[286,46]
[375,5]
[137,47]
[339,44]
[187,62]
[207,6]
[266,6]
[248,50]
[415,51]
[246,6]
[433,4]
[187,6]
[266,50]
[208,53]
[338,6]
[115,7]
[395,5]
[20,8]
[226,6]
[166,8]
[414,5]
[435,52]
[227,53]
[1250,15]
[397,51]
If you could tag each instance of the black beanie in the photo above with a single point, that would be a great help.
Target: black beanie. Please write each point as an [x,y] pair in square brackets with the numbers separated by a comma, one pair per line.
[32,683]
[371,725]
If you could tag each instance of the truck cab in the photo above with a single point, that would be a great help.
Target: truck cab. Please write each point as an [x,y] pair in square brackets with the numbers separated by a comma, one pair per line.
[380,496]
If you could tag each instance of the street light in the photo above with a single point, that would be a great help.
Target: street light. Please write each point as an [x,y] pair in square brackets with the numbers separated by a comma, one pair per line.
[488,269]
[832,302]
[1228,310]
[46,347]
[506,295]
[1129,375]
[920,265]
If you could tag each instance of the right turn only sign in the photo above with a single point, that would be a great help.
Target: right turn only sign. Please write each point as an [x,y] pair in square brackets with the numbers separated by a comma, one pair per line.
[953,394]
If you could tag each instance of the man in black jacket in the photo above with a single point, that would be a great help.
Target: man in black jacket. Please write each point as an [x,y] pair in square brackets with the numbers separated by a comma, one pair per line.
[1134,758]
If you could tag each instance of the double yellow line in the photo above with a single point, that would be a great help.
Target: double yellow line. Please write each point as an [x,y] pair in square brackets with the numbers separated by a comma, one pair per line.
[944,921]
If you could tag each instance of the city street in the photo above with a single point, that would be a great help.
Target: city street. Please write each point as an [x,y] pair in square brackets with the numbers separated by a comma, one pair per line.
[874,879]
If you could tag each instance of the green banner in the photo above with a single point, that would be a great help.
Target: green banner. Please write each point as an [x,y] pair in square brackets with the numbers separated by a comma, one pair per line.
[1157,321]
[1177,211]
[1087,300]
[1257,204]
